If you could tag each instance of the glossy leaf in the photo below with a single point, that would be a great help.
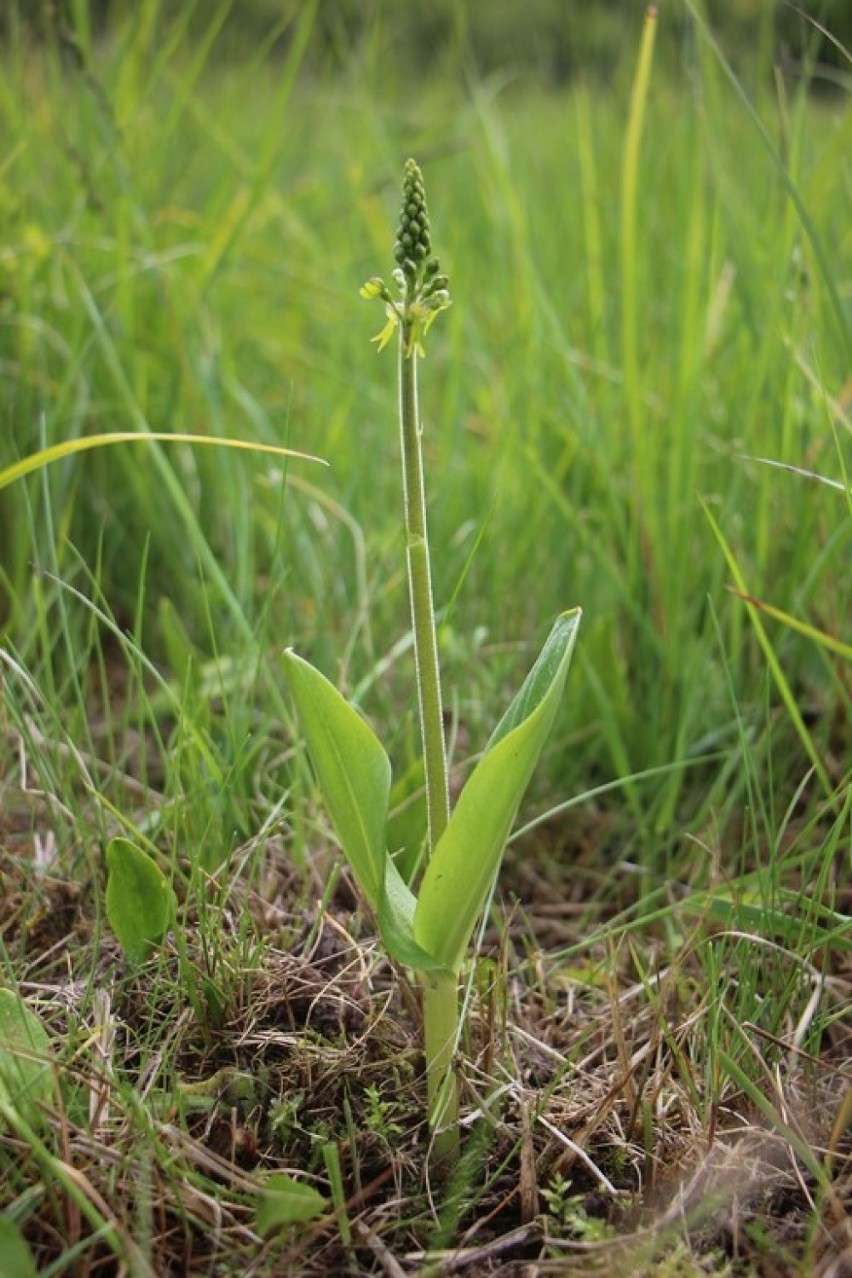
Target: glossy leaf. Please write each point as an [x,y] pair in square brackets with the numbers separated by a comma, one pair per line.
[140,901]
[26,1075]
[468,853]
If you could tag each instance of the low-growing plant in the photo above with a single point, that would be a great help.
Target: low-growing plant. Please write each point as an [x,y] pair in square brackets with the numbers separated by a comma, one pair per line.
[26,1077]
[567,1210]
[427,929]
[140,902]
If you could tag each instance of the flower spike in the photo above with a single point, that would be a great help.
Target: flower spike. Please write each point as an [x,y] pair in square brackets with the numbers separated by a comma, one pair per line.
[423,288]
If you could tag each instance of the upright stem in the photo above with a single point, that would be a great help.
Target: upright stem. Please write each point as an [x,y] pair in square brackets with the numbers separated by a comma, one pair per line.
[440,993]
[420,594]
[440,1032]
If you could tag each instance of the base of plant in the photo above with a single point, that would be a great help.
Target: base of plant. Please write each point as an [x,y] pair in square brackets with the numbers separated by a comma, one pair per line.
[440,1036]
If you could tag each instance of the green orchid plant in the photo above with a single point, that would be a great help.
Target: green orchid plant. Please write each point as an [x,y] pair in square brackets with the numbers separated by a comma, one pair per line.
[426,926]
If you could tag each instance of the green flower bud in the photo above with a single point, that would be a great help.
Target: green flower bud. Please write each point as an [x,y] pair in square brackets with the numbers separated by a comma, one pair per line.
[434,284]
[375,287]
[413,233]
[417,274]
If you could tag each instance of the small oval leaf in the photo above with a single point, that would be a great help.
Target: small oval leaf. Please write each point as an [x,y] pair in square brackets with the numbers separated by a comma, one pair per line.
[287,1201]
[140,901]
[26,1074]
[16,1259]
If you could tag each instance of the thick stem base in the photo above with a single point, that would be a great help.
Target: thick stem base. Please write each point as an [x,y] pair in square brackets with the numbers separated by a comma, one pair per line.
[440,1034]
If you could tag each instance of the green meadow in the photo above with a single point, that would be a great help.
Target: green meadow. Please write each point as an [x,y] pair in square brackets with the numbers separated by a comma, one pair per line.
[639,402]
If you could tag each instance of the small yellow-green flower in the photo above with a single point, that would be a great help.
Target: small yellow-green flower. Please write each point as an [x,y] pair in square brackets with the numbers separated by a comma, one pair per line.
[423,288]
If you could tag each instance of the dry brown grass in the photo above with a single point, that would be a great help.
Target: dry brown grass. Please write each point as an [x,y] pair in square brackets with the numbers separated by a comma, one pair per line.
[596,1141]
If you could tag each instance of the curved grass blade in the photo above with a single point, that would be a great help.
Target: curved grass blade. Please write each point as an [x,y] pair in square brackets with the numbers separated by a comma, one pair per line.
[787,619]
[56,452]
[771,656]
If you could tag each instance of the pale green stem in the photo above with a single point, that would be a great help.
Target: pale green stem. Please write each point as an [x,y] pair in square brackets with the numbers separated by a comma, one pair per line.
[420,593]
[440,1031]
[440,995]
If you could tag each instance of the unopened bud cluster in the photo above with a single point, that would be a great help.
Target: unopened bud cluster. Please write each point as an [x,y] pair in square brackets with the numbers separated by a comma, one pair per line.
[424,288]
[413,240]
[413,247]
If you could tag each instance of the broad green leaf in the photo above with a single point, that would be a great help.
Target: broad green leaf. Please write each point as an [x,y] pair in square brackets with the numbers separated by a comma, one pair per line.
[555,654]
[354,774]
[352,768]
[468,854]
[396,923]
[140,901]
[286,1201]
[26,1075]
[16,1259]
[407,820]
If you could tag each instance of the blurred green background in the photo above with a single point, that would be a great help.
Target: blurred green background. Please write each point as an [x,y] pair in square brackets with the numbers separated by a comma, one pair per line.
[556,38]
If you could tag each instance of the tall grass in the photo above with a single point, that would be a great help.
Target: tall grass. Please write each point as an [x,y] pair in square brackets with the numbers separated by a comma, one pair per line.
[178,256]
